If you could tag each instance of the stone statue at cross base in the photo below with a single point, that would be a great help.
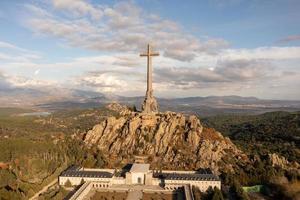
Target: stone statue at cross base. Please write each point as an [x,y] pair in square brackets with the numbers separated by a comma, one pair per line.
[150,104]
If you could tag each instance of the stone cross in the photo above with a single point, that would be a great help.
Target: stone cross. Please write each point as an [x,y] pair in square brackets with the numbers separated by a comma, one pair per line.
[149,55]
[150,104]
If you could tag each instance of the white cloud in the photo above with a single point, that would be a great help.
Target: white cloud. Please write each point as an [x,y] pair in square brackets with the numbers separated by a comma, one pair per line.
[274,53]
[37,10]
[4,84]
[101,81]
[8,82]
[12,53]
[230,73]
[7,45]
[26,82]
[4,56]
[243,70]
[36,72]
[123,27]
[78,8]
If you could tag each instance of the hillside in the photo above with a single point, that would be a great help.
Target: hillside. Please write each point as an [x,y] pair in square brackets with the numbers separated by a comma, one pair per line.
[34,150]
[274,132]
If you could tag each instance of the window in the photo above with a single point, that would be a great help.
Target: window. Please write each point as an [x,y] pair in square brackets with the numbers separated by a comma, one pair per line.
[139,180]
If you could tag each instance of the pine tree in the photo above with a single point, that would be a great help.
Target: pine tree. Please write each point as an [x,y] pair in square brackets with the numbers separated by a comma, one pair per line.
[196,193]
[217,194]
[68,183]
[239,192]
[134,108]
[82,182]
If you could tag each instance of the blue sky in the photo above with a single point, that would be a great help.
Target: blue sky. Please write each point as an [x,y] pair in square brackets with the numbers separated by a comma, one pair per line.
[214,47]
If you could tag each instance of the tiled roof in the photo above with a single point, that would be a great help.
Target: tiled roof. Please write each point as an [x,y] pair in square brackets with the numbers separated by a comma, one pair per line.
[90,174]
[182,176]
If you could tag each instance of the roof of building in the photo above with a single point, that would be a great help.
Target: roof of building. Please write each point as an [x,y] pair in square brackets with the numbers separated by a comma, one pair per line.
[181,176]
[90,174]
[73,168]
[140,168]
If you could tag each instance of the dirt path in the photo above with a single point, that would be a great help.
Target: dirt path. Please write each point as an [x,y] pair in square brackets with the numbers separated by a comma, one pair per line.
[44,189]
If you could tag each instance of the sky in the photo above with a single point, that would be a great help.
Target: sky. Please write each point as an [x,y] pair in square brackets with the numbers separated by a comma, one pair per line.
[213,47]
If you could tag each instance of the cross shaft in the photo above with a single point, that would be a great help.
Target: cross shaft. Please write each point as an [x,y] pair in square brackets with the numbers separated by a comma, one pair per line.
[149,55]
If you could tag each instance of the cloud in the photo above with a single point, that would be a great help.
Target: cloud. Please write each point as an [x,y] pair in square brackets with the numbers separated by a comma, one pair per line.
[116,60]
[27,82]
[104,81]
[78,8]
[127,61]
[6,45]
[271,53]
[230,75]
[12,53]
[37,10]
[123,73]
[242,70]
[9,82]
[36,72]
[290,38]
[4,56]
[226,72]
[4,84]
[122,27]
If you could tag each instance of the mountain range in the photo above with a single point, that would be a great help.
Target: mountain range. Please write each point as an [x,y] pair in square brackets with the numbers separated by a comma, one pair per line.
[50,99]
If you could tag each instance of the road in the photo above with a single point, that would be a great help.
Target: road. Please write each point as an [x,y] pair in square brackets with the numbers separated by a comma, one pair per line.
[44,189]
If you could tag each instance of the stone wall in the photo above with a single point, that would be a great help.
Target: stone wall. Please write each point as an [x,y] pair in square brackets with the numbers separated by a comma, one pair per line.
[78,180]
[202,185]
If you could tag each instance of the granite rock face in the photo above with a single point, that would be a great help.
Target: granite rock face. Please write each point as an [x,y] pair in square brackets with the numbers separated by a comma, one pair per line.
[277,160]
[169,139]
[121,109]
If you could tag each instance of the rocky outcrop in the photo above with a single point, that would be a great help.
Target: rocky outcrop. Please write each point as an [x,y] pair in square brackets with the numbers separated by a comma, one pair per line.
[169,139]
[282,162]
[121,109]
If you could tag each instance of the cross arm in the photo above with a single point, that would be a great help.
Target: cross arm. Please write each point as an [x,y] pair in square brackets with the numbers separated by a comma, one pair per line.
[154,54]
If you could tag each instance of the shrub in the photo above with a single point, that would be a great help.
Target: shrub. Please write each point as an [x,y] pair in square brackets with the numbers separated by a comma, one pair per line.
[68,183]
[217,194]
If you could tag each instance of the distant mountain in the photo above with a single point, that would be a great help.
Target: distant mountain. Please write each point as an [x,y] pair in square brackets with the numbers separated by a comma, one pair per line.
[204,106]
[86,94]
[11,97]
[236,101]
[65,98]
